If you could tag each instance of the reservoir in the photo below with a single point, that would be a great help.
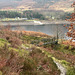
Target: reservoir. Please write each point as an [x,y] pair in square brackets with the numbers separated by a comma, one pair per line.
[50,29]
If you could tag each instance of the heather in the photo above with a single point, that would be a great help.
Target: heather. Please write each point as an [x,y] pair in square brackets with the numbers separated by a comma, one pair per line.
[19,57]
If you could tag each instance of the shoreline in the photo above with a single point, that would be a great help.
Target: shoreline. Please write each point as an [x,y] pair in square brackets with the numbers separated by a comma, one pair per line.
[22,23]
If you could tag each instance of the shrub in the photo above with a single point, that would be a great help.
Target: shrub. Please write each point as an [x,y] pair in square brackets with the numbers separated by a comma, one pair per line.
[29,66]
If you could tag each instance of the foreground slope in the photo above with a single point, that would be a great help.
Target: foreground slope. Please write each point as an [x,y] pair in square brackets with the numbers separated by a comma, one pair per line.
[19,57]
[23,53]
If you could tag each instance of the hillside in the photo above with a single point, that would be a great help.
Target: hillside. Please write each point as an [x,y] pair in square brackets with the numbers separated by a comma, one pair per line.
[19,57]
[24,53]
[37,4]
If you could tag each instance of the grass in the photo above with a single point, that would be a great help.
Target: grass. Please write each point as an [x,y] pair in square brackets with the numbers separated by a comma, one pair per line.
[21,52]
[29,59]
[64,48]
[70,69]
[31,38]
[0,73]
[44,60]
[34,61]
[2,42]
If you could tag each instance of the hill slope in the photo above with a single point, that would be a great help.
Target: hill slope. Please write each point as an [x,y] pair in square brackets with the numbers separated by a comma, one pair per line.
[39,4]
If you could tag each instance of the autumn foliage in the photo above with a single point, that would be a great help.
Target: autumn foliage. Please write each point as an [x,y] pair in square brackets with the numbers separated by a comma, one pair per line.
[71,29]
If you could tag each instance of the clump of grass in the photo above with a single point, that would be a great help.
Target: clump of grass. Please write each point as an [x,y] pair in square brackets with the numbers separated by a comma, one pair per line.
[44,61]
[29,64]
[30,39]
[2,42]
[1,39]
[71,71]
[0,73]
[64,48]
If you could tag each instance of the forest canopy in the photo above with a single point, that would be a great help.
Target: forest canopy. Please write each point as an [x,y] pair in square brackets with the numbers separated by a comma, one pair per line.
[29,14]
[24,14]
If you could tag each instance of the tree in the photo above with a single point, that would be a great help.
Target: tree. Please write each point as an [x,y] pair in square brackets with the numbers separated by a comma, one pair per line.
[71,29]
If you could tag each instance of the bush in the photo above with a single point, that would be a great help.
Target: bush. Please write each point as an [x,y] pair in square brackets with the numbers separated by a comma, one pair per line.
[29,66]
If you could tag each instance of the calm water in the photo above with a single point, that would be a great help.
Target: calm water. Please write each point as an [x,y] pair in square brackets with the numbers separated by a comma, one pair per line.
[48,29]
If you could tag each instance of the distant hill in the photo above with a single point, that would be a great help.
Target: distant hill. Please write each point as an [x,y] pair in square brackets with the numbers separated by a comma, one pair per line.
[37,4]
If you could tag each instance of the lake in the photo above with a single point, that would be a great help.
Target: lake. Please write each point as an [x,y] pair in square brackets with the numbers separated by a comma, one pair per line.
[50,29]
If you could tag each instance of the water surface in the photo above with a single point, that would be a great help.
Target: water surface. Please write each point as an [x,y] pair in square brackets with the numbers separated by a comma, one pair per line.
[51,29]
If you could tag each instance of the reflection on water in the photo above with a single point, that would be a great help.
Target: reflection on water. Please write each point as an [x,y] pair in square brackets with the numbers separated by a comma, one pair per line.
[48,29]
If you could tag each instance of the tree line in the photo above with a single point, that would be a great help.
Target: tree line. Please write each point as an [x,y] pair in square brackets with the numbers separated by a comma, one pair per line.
[33,14]
[24,14]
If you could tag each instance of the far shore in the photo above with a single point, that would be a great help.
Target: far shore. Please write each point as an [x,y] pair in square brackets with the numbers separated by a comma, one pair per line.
[44,22]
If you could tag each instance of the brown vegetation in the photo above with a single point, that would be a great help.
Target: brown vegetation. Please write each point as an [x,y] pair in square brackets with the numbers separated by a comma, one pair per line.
[13,57]
[71,29]
[68,43]
[32,33]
